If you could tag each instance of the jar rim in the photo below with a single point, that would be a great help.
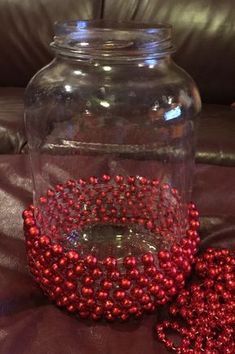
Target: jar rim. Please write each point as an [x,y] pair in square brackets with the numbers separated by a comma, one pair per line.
[99,38]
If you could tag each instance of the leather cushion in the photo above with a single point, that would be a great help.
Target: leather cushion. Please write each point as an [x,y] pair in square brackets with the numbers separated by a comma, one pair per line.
[203,36]
[28,30]
[12,134]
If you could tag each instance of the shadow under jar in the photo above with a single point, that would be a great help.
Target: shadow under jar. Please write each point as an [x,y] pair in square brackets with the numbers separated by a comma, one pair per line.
[110,126]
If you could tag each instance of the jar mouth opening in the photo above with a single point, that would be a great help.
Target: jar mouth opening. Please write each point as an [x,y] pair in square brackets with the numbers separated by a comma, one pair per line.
[110,39]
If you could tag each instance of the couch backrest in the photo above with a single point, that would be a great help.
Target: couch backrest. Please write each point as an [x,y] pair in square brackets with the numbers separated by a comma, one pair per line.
[204,33]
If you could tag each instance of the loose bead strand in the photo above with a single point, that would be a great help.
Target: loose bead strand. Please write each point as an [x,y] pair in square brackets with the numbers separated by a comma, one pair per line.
[207,308]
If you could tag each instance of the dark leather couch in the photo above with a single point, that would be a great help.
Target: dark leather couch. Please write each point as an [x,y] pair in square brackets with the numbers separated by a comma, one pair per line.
[204,36]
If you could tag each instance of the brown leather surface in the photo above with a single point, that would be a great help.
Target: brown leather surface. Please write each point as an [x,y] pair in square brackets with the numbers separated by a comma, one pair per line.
[203,33]
[216,135]
[12,134]
[29,324]
[27,30]
[215,145]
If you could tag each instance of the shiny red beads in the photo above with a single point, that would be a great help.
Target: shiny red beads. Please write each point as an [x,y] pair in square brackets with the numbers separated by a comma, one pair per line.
[112,287]
[207,307]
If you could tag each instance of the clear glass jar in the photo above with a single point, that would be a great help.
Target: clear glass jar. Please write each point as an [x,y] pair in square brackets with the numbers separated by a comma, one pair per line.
[110,125]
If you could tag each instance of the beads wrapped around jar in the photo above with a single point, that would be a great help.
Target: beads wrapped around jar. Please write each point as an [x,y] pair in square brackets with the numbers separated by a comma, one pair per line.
[110,124]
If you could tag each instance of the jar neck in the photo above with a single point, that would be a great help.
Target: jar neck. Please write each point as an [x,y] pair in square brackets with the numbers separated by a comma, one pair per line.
[85,40]
[106,63]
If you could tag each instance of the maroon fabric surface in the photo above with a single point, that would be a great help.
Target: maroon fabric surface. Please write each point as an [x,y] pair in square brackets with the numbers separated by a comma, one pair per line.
[30,324]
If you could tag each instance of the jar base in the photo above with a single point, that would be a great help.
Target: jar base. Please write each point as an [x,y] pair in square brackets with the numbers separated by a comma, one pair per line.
[115,240]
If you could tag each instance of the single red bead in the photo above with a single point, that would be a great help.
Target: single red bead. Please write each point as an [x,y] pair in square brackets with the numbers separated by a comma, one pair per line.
[63,261]
[102,295]
[57,279]
[98,310]
[87,291]
[160,294]
[110,263]
[107,285]
[119,294]
[79,269]
[155,182]
[148,259]
[137,292]
[109,317]
[154,289]
[108,305]
[71,308]
[72,255]
[133,310]
[45,282]
[106,178]
[87,280]
[143,281]
[93,180]
[64,301]
[130,262]
[91,261]
[149,225]
[55,267]
[47,272]
[134,273]
[159,277]
[96,273]
[125,283]
[151,271]
[124,316]
[172,291]
[70,285]
[116,311]
[230,284]
[179,278]
[57,249]
[29,222]
[164,256]
[47,255]
[126,303]
[43,200]
[144,299]
[27,213]
[73,297]
[33,231]
[119,179]
[90,302]
[114,275]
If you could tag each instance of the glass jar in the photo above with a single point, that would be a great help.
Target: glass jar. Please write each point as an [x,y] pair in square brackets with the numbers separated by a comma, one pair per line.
[110,125]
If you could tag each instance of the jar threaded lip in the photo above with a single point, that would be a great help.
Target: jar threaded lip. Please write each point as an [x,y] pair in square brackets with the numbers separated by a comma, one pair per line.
[105,39]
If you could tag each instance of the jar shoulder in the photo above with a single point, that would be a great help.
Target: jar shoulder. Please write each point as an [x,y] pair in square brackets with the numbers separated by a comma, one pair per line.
[149,83]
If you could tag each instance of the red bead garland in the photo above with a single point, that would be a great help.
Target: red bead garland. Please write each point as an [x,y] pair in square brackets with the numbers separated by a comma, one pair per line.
[110,288]
[207,307]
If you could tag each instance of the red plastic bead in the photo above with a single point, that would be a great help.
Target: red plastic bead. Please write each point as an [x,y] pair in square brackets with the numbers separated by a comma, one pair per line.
[130,262]
[72,255]
[148,259]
